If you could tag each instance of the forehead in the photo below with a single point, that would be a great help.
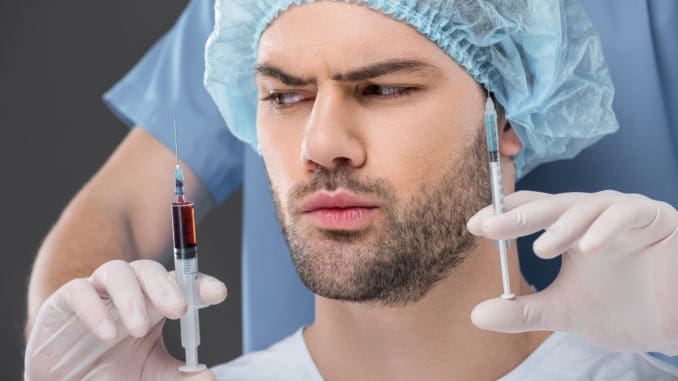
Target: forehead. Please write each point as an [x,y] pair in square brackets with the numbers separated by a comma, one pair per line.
[337,35]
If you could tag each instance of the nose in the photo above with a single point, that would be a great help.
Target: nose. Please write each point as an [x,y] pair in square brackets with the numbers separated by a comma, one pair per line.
[331,136]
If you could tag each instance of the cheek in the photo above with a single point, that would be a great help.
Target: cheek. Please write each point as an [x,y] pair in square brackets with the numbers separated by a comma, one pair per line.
[411,147]
[280,148]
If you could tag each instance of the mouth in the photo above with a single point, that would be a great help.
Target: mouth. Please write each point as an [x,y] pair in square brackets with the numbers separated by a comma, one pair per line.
[339,211]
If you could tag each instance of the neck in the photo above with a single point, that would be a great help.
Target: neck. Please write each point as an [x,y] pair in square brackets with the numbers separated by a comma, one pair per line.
[431,339]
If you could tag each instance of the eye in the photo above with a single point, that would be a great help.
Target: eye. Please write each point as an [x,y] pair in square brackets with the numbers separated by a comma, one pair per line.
[285,99]
[386,92]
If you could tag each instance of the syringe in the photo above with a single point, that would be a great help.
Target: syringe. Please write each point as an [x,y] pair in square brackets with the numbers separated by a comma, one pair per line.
[492,135]
[186,266]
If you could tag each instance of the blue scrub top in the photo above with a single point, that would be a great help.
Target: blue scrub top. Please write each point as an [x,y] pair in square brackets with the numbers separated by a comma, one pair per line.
[641,158]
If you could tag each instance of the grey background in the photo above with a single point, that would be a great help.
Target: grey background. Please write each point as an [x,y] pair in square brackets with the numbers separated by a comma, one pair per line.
[56,60]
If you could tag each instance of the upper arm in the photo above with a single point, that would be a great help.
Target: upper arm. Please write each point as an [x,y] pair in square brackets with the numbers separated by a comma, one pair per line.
[137,185]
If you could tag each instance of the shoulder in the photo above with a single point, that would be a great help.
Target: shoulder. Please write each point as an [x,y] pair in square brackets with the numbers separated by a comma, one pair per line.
[565,356]
[288,359]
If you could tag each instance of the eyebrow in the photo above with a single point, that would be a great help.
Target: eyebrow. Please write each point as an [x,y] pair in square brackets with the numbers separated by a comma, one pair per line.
[267,70]
[356,75]
[383,68]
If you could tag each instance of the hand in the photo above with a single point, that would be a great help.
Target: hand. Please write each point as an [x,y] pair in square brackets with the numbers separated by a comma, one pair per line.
[619,272]
[109,326]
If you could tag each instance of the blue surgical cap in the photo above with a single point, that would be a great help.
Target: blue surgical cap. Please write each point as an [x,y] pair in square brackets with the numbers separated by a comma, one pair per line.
[541,58]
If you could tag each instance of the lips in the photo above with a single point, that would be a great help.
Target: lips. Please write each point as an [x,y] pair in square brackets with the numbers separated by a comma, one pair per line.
[339,211]
[335,201]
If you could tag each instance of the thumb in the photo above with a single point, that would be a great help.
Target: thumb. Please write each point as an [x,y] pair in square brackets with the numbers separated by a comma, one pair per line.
[166,367]
[536,312]
[203,375]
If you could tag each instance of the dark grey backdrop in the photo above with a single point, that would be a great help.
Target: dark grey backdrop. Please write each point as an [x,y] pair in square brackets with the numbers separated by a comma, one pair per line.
[56,59]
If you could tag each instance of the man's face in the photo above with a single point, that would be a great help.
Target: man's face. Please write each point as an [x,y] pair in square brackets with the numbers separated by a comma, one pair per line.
[372,138]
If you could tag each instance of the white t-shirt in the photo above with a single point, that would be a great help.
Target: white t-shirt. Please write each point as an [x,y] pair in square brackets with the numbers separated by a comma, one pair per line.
[561,356]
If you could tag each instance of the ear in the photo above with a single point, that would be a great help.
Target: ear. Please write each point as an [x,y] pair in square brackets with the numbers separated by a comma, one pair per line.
[509,142]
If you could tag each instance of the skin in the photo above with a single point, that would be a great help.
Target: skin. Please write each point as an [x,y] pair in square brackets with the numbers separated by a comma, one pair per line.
[405,140]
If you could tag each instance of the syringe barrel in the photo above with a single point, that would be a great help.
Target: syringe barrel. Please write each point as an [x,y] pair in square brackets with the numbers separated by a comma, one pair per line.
[186,271]
[183,224]
[491,131]
[497,187]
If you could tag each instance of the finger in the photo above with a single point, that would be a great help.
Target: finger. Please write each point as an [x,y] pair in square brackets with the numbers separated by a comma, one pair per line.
[79,296]
[117,280]
[570,226]
[534,312]
[511,201]
[212,290]
[649,221]
[529,217]
[160,287]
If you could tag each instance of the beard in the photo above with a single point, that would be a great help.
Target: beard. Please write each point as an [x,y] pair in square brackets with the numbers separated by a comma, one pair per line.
[416,244]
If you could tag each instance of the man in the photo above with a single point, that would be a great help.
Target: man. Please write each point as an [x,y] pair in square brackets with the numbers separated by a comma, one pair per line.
[270,285]
[375,153]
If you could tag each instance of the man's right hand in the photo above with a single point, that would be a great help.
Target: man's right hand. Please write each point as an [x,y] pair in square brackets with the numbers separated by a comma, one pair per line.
[109,326]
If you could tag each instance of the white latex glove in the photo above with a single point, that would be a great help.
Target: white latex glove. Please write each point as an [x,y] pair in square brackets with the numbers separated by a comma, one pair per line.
[619,274]
[109,326]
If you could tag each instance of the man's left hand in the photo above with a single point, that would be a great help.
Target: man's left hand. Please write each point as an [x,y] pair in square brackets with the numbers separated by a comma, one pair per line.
[618,275]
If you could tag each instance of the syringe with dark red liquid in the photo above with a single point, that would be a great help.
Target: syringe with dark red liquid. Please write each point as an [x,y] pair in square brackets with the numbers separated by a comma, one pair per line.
[186,266]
